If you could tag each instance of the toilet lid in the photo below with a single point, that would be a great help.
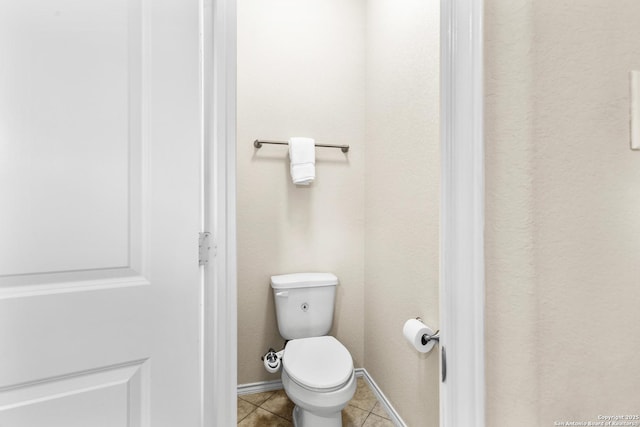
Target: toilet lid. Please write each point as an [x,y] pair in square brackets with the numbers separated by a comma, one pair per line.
[318,362]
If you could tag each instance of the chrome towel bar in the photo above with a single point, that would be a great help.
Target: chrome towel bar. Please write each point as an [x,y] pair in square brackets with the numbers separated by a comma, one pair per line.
[258,144]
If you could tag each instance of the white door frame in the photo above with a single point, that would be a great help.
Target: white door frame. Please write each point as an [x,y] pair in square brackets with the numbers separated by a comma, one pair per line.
[462,213]
[219,387]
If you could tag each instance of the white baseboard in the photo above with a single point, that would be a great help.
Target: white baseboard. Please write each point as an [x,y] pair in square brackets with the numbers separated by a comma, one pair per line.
[259,387]
[393,414]
[262,386]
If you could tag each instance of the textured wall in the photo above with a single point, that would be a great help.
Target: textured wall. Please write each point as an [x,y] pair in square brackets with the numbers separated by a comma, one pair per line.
[296,77]
[511,329]
[563,240]
[402,200]
[300,73]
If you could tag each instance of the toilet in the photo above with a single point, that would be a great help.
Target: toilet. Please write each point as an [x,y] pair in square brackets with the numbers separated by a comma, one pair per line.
[317,370]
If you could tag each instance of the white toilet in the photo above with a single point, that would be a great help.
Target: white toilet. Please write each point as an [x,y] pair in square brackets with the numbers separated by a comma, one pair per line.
[317,370]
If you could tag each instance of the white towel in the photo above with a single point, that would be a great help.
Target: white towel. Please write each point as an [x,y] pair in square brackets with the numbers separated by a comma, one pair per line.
[302,152]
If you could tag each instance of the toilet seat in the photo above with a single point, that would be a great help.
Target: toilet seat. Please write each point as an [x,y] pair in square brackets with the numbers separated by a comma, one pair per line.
[319,364]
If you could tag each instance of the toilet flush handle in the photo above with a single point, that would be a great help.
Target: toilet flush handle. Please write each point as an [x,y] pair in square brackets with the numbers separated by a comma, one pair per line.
[282,294]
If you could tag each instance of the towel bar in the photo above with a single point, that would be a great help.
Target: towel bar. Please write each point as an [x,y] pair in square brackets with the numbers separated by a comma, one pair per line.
[258,143]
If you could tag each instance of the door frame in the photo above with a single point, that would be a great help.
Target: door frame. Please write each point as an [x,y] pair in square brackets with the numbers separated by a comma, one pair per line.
[219,277]
[462,395]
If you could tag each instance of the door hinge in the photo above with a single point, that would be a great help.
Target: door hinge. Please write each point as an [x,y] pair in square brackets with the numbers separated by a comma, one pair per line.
[204,247]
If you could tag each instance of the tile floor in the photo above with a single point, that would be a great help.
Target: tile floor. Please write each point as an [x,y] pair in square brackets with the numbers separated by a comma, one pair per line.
[273,409]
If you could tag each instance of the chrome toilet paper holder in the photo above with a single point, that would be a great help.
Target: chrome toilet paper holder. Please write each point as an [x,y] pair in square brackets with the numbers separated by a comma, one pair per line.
[429,337]
[443,354]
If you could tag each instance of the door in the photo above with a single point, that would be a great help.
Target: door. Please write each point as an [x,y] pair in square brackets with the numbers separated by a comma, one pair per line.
[100,189]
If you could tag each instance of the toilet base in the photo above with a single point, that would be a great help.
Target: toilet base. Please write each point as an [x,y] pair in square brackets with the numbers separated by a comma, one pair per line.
[302,418]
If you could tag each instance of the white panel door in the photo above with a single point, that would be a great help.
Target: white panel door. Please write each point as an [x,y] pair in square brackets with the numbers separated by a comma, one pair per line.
[100,165]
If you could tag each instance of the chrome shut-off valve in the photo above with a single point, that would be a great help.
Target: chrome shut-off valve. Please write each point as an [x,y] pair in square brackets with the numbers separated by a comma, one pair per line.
[272,360]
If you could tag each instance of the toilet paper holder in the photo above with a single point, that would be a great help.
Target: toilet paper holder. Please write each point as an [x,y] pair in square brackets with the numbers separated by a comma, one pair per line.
[426,338]
[429,337]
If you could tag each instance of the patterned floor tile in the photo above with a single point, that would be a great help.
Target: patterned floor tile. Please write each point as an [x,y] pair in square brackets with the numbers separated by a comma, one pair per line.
[364,397]
[380,411]
[375,421]
[353,417]
[257,398]
[279,404]
[262,418]
[244,409]
[275,409]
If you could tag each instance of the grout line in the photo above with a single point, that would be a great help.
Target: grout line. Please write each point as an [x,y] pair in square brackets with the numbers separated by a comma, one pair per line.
[271,393]
[273,413]
[277,415]
[250,412]
[366,418]
[383,410]
[369,412]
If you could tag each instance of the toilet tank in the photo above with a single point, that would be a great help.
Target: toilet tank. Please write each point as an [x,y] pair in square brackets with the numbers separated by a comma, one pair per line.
[304,303]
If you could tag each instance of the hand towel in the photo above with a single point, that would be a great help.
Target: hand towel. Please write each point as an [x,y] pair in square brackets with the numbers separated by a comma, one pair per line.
[302,152]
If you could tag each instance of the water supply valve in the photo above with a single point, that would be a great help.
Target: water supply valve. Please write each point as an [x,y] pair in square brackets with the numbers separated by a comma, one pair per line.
[272,360]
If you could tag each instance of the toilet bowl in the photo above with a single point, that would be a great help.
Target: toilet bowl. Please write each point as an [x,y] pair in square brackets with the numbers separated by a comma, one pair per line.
[318,376]
[317,370]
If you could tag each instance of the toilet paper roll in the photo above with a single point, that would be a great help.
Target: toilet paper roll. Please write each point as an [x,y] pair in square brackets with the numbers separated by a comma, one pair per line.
[413,331]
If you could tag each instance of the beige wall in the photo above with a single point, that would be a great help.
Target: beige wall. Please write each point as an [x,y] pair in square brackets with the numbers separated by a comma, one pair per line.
[300,73]
[344,72]
[562,245]
[402,200]
[563,237]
